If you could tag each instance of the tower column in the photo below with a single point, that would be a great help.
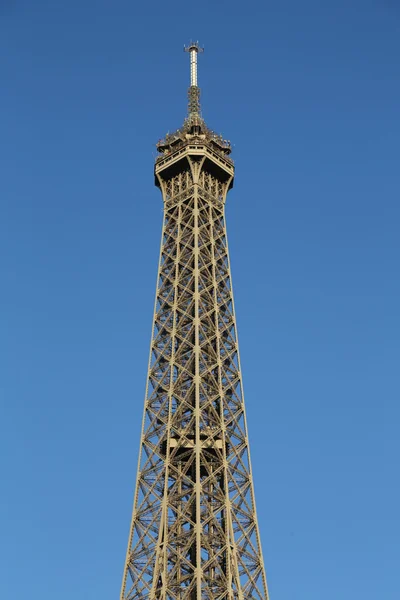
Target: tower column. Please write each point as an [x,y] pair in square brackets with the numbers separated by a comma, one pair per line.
[197,388]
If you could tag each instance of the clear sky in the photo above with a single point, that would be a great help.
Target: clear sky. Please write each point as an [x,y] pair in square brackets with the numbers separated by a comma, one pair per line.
[309,94]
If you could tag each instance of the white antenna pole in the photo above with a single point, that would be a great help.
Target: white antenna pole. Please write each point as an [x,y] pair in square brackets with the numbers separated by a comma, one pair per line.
[193,65]
[193,50]
[194,90]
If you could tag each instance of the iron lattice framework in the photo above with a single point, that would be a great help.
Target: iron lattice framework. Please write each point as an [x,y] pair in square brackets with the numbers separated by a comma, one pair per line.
[194,532]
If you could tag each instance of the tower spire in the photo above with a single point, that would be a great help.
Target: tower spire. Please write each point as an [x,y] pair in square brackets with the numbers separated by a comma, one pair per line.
[194,90]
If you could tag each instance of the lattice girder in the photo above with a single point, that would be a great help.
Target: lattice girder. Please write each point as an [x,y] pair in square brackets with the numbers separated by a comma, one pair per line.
[194,532]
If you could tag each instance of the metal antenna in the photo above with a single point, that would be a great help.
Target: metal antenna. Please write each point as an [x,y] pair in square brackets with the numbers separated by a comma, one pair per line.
[194,90]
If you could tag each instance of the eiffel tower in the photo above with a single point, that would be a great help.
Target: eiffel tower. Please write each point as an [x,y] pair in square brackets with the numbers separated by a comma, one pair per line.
[194,532]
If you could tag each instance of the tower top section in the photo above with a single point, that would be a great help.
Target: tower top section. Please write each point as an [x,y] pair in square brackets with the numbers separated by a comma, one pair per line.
[194,130]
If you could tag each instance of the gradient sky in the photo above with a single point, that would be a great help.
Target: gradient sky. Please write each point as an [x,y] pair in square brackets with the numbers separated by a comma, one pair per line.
[309,94]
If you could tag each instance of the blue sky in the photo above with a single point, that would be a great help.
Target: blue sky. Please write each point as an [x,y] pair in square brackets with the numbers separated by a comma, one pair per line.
[308,92]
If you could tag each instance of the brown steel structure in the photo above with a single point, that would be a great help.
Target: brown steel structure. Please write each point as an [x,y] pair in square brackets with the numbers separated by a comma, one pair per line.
[194,532]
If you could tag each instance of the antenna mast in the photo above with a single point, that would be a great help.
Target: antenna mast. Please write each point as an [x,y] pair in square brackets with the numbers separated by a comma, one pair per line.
[194,90]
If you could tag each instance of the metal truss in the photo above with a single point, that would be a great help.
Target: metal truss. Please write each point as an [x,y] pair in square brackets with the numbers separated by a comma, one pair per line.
[194,532]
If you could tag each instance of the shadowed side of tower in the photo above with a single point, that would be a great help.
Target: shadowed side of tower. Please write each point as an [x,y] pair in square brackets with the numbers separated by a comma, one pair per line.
[194,532]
